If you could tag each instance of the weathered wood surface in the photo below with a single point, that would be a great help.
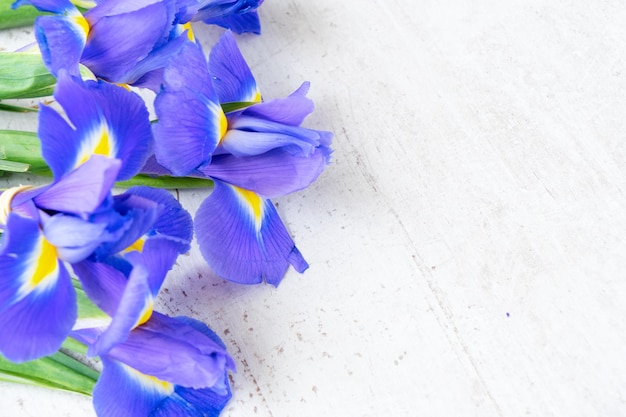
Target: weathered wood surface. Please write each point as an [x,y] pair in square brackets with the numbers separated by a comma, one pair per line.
[467,244]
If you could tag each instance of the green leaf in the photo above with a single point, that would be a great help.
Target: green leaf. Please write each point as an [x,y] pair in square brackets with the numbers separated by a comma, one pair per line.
[11,166]
[17,109]
[58,371]
[24,75]
[22,147]
[22,16]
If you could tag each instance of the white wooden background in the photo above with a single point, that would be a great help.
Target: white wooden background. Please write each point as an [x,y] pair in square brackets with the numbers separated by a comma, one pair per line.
[467,244]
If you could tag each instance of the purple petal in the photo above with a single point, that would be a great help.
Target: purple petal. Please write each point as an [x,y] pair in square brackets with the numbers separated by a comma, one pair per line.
[194,402]
[272,174]
[136,301]
[61,41]
[109,121]
[74,238]
[122,391]
[242,238]
[191,121]
[115,44]
[173,223]
[248,136]
[84,189]
[238,23]
[103,283]
[54,6]
[290,110]
[172,351]
[37,300]
[221,8]
[232,78]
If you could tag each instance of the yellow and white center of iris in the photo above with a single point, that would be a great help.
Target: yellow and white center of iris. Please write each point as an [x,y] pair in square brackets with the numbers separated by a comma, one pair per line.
[81,23]
[99,142]
[43,268]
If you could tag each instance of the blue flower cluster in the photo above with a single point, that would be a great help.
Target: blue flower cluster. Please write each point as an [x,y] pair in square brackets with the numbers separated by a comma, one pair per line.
[212,123]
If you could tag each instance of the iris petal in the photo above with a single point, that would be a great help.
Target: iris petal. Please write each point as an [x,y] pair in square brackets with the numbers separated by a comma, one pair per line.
[37,300]
[191,121]
[238,23]
[74,238]
[108,120]
[173,222]
[135,299]
[54,6]
[272,174]
[116,45]
[61,41]
[289,110]
[249,136]
[243,239]
[232,78]
[122,391]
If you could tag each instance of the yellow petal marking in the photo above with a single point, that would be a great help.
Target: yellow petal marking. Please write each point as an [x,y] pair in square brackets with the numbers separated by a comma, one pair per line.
[82,23]
[257,96]
[190,35]
[223,122]
[47,263]
[151,381]
[146,314]
[101,145]
[136,245]
[254,202]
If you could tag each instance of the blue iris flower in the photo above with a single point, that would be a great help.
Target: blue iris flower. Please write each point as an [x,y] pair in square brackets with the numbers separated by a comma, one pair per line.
[163,367]
[254,153]
[105,136]
[106,38]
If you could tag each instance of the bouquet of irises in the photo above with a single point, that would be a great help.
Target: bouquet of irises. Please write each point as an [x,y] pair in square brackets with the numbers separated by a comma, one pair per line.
[82,266]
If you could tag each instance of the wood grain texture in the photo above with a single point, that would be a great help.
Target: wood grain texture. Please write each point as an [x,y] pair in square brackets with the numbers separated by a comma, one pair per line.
[467,242]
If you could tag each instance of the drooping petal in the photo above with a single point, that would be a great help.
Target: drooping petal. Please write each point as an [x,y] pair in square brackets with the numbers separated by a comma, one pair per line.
[238,23]
[53,6]
[170,350]
[232,79]
[272,174]
[191,121]
[242,238]
[61,41]
[148,72]
[115,44]
[82,190]
[141,395]
[193,402]
[37,300]
[103,283]
[108,121]
[210,9]
[133,308]
[123,391]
